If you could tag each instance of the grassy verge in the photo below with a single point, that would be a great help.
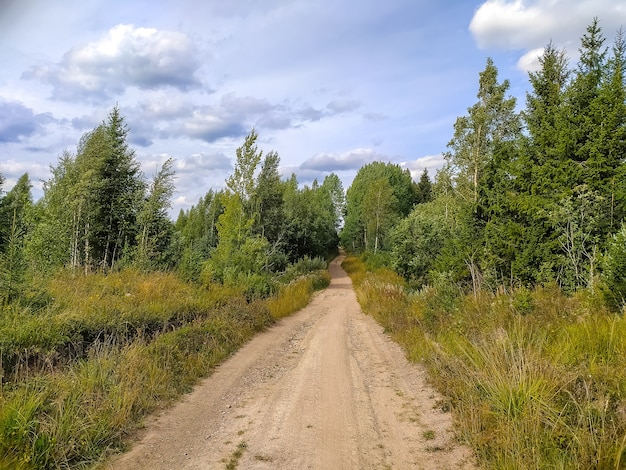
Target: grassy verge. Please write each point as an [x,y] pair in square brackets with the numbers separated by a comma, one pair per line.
[536,379]
[80,373]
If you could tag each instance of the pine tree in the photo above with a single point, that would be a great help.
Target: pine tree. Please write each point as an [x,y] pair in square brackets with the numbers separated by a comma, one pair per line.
[155,229]
[424,188]
[118,193]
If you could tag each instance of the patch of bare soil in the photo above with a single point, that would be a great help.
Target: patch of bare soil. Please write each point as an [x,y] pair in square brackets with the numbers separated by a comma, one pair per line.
[322,389]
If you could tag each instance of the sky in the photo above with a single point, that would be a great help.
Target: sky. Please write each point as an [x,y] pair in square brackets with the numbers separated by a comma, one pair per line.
[330,85]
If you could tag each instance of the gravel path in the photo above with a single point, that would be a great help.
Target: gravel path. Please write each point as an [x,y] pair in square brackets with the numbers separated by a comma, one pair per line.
[322,389]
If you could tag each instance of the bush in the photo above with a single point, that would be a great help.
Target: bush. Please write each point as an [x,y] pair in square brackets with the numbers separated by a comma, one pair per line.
[615,270]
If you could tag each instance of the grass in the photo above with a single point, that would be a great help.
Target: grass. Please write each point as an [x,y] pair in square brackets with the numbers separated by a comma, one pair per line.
[535,378]
[81,371]
[296,294]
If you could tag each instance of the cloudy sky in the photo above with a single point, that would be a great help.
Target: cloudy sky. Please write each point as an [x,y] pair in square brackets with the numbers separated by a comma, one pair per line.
[330,85]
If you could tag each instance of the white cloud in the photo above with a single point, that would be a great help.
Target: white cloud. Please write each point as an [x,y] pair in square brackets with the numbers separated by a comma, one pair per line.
[528,24]
[506,24]
[431,163]
[529,62]
[145,58]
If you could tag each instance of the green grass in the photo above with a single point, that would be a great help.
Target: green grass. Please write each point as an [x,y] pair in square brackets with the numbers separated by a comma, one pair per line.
[536,379]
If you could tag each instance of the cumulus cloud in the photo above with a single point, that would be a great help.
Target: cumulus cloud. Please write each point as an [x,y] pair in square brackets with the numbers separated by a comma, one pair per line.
[530,61]
[512,24]
[523,24]
[351,160]
[145,58]
[18,122]
[530,24]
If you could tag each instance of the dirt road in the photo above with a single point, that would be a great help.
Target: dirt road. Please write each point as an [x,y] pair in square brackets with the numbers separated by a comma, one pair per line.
[322,389]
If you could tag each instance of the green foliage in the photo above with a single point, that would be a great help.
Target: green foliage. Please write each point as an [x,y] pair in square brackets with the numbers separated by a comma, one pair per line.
[490,121]
[418,240]
[614,275]
[379,196]
[88,214]
[155,230]
[311,223]
[424,188]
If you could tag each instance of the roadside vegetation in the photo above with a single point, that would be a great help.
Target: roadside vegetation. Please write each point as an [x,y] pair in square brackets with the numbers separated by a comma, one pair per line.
[80,373]
[535,378]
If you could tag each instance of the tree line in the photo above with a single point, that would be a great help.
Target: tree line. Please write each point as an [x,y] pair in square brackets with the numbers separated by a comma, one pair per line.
[526,197]
[100,213]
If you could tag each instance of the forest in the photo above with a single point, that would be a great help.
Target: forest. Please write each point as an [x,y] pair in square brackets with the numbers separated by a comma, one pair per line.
[504,274]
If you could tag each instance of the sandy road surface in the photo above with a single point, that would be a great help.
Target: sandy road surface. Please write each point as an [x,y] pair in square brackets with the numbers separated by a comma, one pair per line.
[322,389]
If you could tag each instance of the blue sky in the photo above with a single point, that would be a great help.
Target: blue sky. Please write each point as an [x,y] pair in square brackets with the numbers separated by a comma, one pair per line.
[330,85]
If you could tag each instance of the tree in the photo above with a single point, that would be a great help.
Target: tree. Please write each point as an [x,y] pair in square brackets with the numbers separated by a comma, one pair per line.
[490,121]
[268,205]
[196,231]
[404,191]
[118,193]
[88,215]
[424,188]
[236,222]
[311,220]
[418,239]
[13,210]
[242,182]
[378,203]
[14,216]
[333,186]
[155,229]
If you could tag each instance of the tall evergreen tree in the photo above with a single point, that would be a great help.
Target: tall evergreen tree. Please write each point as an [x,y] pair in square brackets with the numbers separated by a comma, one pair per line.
[118,193]
[155,230]
[424,188]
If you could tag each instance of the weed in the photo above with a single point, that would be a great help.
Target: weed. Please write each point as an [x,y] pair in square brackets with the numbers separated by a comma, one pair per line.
[236,455]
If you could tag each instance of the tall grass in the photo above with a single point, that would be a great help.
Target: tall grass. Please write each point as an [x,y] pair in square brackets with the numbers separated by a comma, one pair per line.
[296,294]
[77,382]
[536,379]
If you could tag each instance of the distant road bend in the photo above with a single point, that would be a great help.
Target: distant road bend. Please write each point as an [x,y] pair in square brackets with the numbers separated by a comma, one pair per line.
[323,389]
